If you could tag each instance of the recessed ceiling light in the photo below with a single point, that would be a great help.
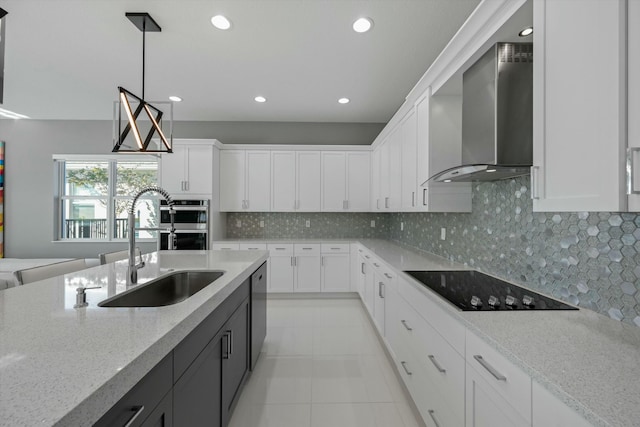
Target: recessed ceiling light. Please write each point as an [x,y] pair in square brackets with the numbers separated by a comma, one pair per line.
[260,99]
[447,180]
[491,170]
[11,115]
[343,100]
[526,32]
[362,25]
[175,98]
[221,22]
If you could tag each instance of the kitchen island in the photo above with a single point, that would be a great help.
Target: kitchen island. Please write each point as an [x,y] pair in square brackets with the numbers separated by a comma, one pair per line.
[61,365]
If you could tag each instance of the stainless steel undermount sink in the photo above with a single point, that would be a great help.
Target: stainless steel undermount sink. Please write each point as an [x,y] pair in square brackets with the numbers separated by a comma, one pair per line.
[165,290]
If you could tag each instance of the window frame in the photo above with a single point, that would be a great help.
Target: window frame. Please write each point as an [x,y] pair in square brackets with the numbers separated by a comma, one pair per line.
[60,198]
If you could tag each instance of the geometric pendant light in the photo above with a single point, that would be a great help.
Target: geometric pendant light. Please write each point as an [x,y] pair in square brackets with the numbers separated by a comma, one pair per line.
[144,112]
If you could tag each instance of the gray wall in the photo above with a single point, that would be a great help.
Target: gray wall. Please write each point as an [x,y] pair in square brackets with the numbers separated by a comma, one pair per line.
[28,210]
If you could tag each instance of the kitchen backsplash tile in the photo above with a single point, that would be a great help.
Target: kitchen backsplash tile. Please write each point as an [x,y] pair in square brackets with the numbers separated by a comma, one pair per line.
[591,259]
[293,225]
[586,258]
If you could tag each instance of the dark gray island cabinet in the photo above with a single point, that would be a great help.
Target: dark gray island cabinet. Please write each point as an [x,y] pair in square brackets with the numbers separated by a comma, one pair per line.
[200,381]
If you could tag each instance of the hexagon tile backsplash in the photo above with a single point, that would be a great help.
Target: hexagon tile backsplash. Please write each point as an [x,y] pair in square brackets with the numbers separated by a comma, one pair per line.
[591,259]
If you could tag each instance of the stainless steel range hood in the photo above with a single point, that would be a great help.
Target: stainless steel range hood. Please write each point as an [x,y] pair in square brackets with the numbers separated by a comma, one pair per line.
[497,116]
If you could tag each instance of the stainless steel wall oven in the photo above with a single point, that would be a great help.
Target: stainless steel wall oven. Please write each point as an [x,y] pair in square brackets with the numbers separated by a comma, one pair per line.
[191,224]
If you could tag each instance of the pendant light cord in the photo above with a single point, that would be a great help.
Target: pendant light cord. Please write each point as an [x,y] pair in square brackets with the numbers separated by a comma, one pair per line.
[144,32]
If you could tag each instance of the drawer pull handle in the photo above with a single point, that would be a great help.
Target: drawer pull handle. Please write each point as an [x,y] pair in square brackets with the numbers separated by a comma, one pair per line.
[367,256]
[497,375]
[376,264]
[280,249]
[388,276]
[335,249]
[362,269]
[432,414]
[306,249]
[380,288]
[404,366]
[436,364]
[404,323]
[135,416]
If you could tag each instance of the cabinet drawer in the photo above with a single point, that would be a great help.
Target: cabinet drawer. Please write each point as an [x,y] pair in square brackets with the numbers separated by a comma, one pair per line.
[139,402]
[301,249]
[276,249]
[509,381]
[253,246]
[339,248]
[225,246]
[442,322]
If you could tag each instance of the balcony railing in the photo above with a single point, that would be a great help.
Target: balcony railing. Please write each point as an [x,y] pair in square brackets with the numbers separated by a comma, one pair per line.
[93,228]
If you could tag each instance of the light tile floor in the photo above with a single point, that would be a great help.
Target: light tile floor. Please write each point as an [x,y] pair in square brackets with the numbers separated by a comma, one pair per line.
[322,366]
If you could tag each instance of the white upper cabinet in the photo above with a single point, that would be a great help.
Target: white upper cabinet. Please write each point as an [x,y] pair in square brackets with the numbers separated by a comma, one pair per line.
[283,181]
[580,105]
[633,98]
[245,180]
[189,169]
[345,181]
[390,173]
[295,181]
[439,145]
[409,170]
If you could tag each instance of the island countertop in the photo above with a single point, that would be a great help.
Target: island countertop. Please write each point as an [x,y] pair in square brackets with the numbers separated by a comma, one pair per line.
[65,366]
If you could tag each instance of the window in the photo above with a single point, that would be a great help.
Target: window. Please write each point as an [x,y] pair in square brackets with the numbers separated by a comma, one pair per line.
[93,196]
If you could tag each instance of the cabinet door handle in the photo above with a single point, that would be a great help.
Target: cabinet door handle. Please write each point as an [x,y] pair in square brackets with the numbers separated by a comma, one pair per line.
[376,264]
[386,202]
[135,416]
[497,375]
[424,197]
[186,185]
[295,261]
[306,249]
[380,288]
[362,269]
[535,177]
[630,175]
[335,249]
[388,276]
[291,261]
[436,364]
[225,337]
[280,249]
[404,323]
[367,256]
[413,199]
[322,261]
[432,414]
[404,366]
[377,203]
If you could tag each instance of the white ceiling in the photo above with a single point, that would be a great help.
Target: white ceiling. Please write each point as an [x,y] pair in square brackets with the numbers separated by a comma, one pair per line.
[65,58]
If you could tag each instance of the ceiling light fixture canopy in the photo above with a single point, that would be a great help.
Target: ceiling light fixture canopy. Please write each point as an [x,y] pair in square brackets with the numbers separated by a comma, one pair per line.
[221,22]
[145,23]
[362,25]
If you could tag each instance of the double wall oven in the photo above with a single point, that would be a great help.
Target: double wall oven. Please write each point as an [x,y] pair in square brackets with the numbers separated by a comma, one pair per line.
[191,224]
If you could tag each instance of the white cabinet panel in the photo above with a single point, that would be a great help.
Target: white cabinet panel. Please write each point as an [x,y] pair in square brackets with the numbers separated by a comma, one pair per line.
[409,163]
[258,181]
[188,170]
[549,411]
[308,180]
[281,272]
[346,181]
[283,169]
[334,181]
[245,181]
[335,272]
[307,273]
[358,181]
[579,106]
[633,96]
[395,173]
[232,180]
[376,193]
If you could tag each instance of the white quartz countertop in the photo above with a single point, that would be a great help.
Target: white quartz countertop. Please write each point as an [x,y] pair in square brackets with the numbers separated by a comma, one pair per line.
[65,366]
[590,362]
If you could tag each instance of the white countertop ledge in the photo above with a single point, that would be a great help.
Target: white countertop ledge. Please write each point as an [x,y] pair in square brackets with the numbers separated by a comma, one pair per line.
[63,366]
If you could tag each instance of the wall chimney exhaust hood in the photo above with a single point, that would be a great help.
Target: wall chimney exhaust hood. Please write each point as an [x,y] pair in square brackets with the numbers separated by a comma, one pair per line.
[497,116]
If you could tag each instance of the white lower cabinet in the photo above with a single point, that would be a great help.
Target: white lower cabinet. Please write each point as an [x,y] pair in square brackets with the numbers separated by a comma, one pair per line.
[498,392]
[336,267]
[281,269]
[307,267]
[549,411]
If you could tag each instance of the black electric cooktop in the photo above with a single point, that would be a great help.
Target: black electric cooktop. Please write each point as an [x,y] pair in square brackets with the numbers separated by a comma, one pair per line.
[475,291]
